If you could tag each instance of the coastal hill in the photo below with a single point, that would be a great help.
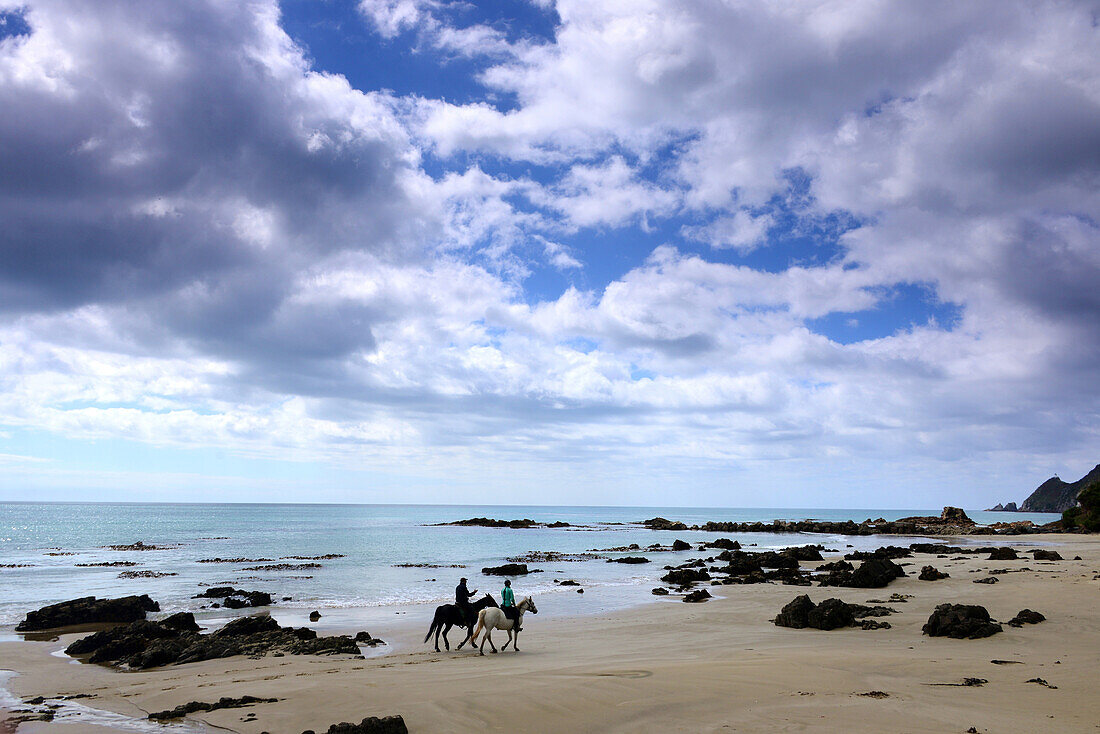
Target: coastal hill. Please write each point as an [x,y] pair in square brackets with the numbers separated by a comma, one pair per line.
[1054,495]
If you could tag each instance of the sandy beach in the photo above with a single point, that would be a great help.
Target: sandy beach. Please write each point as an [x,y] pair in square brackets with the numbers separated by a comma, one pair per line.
[668,666]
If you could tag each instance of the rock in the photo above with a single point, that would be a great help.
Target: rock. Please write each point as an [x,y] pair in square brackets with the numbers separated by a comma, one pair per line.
[1046,555]
[580,591]
[931,573]
[283,567]
[871,624]
[369,725]
[89,610]
[960,621]
[364,636]
[216,592]
[795,614]
[486,522]
[182,621]
[314,616]
[875,573]
[223,703]
[699,595]
[508,569]
[1003,554]
[569,582]
[680,545]
[986,580]
[829,615]
[889,551]
[1026,616]
[1054,495]
[685,576]
[801,612]
[138,546]
[660,523]
[660,591]
[803,552]
[628,559]
[956,516]
[724,543]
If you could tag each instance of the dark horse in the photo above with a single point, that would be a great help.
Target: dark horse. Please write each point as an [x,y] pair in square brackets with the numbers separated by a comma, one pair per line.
[449,615]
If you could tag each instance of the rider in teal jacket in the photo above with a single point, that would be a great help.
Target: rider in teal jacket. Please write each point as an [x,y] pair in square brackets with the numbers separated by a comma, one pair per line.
[508,604]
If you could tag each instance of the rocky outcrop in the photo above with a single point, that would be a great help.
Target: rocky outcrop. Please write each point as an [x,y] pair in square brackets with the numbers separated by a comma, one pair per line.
[1046,555]
[236,598]
[1054,495]
[699,595]
[508,569]
[680,545]
[829,615]
[88,610]
[874,573]
[685,576]
[1003,554]
[1010,507]
[369,725]
[1026,616]
[225,702]
[931,573]
[724,544]
[961,621]
[660,523]
[486,522]
[629,559]
[144,644]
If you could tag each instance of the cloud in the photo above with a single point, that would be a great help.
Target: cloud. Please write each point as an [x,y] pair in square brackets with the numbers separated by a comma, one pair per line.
[209,242]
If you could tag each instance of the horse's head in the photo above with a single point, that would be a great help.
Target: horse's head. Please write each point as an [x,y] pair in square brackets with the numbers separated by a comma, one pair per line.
[489,601]
[528,605]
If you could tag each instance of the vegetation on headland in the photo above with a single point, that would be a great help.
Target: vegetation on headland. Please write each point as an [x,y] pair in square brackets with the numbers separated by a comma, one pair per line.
[1086,515]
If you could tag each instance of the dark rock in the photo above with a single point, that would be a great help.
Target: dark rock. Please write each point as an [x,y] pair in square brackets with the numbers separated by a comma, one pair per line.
[369,725]
[568,582]
[935,548]
[875,573]
[1026,616]
[859,611]
[89,610]
[1041,682]
[771,559]
[223,703]
[699,595]
[685,576]
[680,545]
[1003,554]
[660,523]
[889,551]
[486,522]
[508,569]
[1046,555]
[283,567]
[314,616]
[931,573]
[986,580]
[960,621]
[724,543]
[829,615]
[216,592]
[795,614]
[138,546]
[871,624]
[558,524]
[106,564]
[182,621]
[628,559]
[788,576]
[659,591]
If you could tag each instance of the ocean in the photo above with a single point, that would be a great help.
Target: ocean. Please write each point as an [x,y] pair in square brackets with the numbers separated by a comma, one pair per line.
[43,544]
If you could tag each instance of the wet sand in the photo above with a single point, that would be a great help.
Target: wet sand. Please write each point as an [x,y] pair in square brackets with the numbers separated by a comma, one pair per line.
[669,666]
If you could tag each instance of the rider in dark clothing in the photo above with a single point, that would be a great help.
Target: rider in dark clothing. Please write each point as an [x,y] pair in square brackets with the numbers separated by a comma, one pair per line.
[462,599]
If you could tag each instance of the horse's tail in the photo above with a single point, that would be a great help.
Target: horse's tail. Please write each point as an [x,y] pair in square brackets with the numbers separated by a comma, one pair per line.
[436,624]
[480,625]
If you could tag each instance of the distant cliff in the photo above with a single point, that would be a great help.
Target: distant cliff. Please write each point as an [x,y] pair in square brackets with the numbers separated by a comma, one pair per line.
[1054,495]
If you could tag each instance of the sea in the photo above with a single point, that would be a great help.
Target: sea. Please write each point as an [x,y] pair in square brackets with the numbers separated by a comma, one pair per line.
[49,552]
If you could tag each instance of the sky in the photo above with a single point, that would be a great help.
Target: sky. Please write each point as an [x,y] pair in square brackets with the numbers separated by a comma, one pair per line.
[759,253]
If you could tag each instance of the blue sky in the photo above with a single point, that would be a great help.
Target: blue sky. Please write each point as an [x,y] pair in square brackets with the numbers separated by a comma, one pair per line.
[695,253]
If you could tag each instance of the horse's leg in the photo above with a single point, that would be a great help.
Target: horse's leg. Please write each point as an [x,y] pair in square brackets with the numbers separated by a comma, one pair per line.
[505,645]
[446,629]
[489,637]
[515,642]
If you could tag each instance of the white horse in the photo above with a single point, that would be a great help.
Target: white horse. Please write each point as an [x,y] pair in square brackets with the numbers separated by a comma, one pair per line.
[494,619]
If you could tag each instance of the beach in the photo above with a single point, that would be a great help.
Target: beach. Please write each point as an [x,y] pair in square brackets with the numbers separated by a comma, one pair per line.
[668,666]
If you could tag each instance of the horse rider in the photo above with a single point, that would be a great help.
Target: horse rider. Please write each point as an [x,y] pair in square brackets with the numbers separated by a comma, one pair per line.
[508,605]
[462,599]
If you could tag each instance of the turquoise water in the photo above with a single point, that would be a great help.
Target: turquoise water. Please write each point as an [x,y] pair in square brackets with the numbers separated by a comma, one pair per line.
[364,585]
